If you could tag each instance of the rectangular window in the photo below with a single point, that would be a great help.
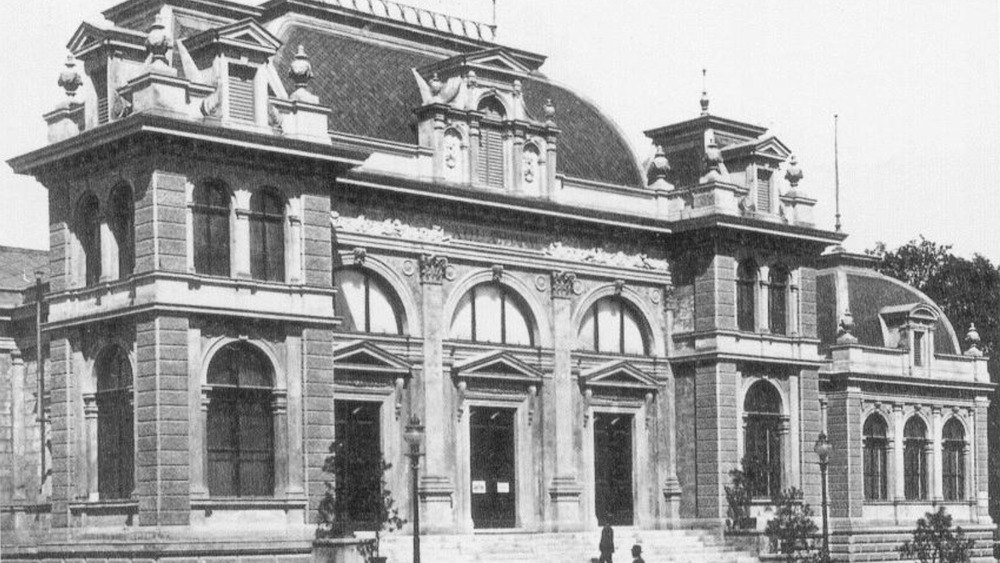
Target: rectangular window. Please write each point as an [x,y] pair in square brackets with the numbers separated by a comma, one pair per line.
[763,190]
[241,93]
[875,469]
[914,470]
[953,473]
[490,171]
[918,348]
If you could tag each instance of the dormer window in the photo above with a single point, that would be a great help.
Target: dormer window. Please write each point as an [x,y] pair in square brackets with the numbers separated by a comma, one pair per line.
[242,102]
[764,190]
[911,328]
[491,150]
[918,348]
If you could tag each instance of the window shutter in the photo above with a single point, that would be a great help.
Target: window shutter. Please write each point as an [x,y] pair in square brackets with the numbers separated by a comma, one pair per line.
[101,86]
[241,93]
[763,190]
[490,170]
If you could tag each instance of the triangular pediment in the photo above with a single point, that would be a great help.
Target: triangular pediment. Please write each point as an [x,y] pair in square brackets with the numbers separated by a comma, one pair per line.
[89,37]
[496,365]
[498,61]
[620,375]
[772,146]
[247,34]
[363,355]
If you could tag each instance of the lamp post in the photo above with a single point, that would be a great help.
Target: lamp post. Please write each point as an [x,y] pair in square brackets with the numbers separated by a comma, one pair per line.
[822,449]
[414,436]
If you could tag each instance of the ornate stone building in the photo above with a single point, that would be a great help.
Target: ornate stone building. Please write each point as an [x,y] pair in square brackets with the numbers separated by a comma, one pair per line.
[276,226]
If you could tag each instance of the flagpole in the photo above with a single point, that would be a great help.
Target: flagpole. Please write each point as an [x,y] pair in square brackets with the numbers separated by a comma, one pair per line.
[836,173]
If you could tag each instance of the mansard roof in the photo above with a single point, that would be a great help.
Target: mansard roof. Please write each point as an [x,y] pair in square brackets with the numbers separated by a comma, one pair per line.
[369,86]
[870,295]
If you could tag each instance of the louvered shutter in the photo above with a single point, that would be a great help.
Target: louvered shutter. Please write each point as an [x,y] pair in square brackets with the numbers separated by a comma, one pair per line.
[763,191]
[491,158]
[101,87]
[241,93]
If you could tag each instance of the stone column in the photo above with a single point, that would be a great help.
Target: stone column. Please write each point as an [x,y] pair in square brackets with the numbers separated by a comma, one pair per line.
[436,486]
[296,476]
[240,248]
[564,487]
[199,461]
[90,423]
[551,153]
[474,144]
[109,252]
[717,426]
[794,295]
[898,475]
[937,481]
[981,448]
[668,417]
[279,411]
[517,160]
[763,298]
[62,387]
[18,437]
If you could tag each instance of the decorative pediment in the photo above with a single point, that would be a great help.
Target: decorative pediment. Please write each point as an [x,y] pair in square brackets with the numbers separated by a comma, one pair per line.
[245,34]
[89,38]
[363,356]
[618,375]
[499,366]
[767,146]
[918,312]
[497,59]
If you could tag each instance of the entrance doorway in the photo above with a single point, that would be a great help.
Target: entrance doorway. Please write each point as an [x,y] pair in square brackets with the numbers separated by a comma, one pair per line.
[613,469]
[358,463]
[491,440]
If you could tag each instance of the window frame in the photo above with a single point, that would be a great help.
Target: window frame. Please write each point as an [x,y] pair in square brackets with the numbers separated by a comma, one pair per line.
[875,459]
[915,470]
[121,217]
[88,234]
[622,308]
[507,296]
[764,427]
[370,278]
[779,283]
[115,424]
[267,235]
[953,470]
[213,257]
[747,276]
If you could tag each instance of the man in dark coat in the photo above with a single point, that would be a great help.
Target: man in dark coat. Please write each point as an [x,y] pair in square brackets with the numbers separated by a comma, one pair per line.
[607,545]
[637,554]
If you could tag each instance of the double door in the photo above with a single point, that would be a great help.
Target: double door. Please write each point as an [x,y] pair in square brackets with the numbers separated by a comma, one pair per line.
[613,499]
[492,467]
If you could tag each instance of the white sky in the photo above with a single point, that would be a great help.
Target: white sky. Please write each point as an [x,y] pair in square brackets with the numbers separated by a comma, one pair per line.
[916,84]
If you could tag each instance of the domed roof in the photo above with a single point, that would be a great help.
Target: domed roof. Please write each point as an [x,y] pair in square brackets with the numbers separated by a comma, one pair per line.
[869,294]
[370,87]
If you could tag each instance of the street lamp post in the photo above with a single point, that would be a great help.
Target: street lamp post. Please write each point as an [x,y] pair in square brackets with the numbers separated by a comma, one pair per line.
[822,449]
[414,436]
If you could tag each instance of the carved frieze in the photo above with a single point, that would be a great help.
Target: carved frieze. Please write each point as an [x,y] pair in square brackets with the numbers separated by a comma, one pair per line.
[605,258]
[563,284]
[388,228]
[433,268]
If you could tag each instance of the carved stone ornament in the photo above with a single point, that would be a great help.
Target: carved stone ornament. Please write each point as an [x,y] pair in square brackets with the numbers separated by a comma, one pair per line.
[300,71]
[409,268]
[211,105]
[563,284]
[550,113]
[794,173]
[69,78]
[435,91]
[659,168]
[360,255]
[844,328]
[713,161]
[120,107]
[497,273]
[747,205]
[605,258]
[274,118]
[388,228]
[972,339]
[541,283]
[432,268]
[619,287]
[158,43]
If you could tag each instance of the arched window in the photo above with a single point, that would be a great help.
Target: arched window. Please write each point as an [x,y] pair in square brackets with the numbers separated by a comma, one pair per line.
[367,304]
[88,232]
[491,150]
[121,217]
[777,300]
[115,440]
[240,427]
[267,236]
[876,447]
[210,211]
[762,438]
[613,325]
[491,312]
[953,464]
[746,291]
[915,459]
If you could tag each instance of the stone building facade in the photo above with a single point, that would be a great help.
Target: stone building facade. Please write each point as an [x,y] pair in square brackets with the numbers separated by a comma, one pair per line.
[277,226]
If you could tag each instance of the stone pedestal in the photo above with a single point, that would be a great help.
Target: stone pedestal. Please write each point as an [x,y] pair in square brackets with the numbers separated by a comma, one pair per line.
[65,121]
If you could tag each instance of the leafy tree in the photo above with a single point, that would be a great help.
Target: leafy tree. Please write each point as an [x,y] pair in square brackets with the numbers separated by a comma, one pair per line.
[968,291]
[791,531]
[739,496]
[934,541]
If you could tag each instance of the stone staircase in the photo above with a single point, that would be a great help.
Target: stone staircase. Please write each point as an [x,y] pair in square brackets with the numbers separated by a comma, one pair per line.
[658,546]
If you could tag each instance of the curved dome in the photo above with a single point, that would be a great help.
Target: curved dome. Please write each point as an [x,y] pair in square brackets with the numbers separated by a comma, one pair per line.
[868,293]
[371,90]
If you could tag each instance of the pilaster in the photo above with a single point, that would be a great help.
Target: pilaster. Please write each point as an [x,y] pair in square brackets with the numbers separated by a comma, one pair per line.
[716,431]
[846,474]
[320,424]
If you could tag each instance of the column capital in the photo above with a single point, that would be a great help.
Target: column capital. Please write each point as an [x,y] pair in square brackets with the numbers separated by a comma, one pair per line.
[432,268]
[90,408]
[563,284]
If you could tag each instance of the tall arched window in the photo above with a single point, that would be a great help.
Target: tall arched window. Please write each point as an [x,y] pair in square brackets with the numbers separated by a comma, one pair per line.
[240,426]
[777,300]
[876,447]
[115,441]
[267,236]
[746,291]
[762,438]
[613,325]
[88,232]
[366,303]
[491,312]
[122,223]
[210,211]
[915,459]
[491,150]
[953,464]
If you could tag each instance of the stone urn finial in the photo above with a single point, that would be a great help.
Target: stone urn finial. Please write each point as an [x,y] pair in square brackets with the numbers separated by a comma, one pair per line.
[794,173]
[704,93]
[713,161]
[844,329]
[659,167]
[301,71]
[550,113]
[69,78]
[972,339]
[158,43]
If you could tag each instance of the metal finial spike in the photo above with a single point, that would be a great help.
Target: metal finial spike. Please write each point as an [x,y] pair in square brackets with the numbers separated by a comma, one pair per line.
[836,174]
[704,92]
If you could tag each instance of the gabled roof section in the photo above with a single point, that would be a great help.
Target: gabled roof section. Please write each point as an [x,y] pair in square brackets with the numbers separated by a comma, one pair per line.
[89,37]
[500,60]
[362,355]
[768,146]
[498,365]
[618,375]
[244,34]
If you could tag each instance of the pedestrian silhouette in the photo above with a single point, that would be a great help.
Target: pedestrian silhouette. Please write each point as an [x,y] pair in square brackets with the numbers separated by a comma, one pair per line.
[637,554]
[607,545]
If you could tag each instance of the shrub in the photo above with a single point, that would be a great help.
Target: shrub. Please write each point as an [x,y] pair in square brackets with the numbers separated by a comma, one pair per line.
[792,531]
[739,496]
[935,541]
